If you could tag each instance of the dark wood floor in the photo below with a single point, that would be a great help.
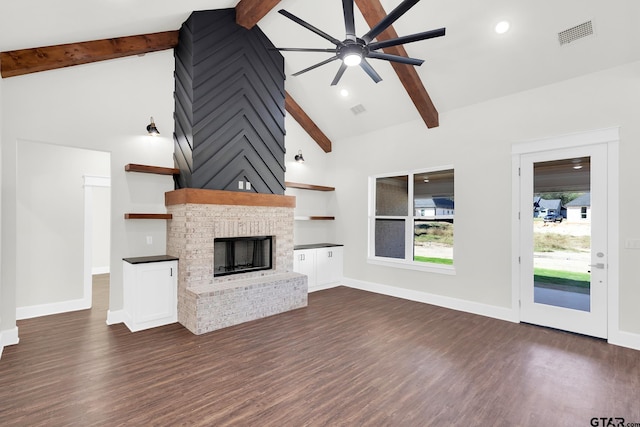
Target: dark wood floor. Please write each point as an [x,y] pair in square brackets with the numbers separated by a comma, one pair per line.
[351,358]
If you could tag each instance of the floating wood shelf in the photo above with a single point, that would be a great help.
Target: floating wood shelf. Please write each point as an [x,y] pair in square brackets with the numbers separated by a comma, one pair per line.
[289,184]
[147,216]
[315,218]
[132,167]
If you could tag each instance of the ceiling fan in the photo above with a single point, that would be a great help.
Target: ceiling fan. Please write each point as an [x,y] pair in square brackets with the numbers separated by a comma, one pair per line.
[355,50]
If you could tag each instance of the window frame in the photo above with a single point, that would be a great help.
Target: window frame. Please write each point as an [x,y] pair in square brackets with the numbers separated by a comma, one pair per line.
[408,262]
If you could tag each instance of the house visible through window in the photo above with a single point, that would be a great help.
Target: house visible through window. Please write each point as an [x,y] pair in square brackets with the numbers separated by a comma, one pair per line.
[412,218]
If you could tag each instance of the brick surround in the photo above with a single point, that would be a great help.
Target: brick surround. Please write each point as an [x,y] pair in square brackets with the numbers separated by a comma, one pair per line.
[206,303]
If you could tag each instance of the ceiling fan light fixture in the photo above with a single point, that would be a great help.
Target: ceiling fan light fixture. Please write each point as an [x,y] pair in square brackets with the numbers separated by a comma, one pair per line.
[352,59]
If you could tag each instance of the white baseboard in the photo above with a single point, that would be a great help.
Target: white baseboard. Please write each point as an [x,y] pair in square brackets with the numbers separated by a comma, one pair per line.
[625,339]
[116,316]
[323,287]
[100,270]
[8,337]
[32,311]
[501,313]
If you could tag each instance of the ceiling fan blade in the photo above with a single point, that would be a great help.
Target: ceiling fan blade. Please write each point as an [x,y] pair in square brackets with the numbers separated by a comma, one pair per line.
[302,49]
[319,64]
[309,27]
[369,70]
[349,23]
[339,74]
[407,39]
[395,58]
[389,19]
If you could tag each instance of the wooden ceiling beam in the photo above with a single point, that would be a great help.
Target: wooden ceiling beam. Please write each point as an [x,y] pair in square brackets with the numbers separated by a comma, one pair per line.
[307,124]
[249,12]
[373,12]
[25,61]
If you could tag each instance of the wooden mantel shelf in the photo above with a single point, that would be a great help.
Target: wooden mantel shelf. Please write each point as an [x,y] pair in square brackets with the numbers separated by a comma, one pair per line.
[147,216]
[132,167]
[290,184]
[221,197]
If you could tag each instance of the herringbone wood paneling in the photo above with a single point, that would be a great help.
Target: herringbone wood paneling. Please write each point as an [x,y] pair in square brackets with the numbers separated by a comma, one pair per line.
[229,114]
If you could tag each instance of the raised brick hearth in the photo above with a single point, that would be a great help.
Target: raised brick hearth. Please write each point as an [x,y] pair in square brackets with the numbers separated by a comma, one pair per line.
[199,216]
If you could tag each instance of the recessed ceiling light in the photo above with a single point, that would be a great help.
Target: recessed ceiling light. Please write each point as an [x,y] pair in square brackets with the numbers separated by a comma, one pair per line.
[502,27]
[344,92]
[577,167]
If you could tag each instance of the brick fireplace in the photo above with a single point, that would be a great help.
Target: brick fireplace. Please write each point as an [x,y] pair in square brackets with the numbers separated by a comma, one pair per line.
[207,302]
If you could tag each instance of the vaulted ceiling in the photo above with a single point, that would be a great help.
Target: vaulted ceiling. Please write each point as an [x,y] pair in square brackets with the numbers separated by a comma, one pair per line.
[469,65]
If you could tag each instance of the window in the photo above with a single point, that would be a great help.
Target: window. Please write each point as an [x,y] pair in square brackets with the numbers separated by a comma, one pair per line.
[411,219]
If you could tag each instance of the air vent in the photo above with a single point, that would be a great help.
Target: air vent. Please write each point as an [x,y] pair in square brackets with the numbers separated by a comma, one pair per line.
[574,33]
[358,109]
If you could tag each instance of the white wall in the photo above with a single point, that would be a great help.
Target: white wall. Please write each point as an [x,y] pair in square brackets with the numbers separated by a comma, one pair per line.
[103,106]
[477,140]
[50,220]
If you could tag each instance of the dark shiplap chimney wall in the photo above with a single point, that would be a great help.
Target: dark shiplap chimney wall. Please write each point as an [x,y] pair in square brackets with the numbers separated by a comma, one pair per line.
[229,106]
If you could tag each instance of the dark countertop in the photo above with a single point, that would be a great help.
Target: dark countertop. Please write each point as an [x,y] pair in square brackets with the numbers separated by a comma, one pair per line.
[316,246]
[148,259]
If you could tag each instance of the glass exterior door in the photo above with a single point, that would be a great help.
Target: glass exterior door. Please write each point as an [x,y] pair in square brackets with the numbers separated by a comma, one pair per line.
[563,239]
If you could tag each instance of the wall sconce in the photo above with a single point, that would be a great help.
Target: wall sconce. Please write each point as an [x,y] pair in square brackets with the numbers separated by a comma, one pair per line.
[152,129]
[298,157]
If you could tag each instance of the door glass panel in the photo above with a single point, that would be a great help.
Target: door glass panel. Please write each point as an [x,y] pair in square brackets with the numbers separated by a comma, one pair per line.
[562,233]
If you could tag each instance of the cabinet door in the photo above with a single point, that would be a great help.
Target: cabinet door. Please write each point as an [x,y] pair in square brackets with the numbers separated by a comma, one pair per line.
[304,262]
[329,265]
[155,293]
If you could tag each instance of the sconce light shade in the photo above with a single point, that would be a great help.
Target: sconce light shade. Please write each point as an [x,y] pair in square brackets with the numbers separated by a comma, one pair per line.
[298,157]
[152,129]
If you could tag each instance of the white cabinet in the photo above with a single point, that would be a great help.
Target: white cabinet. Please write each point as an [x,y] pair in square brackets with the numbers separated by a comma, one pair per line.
[322,265]
[329,265]
[150,291]
[304,262]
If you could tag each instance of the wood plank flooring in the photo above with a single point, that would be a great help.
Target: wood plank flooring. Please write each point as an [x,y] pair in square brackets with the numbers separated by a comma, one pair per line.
[351,358]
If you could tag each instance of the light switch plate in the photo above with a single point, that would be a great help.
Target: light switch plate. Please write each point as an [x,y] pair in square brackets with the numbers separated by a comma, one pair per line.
[632,244]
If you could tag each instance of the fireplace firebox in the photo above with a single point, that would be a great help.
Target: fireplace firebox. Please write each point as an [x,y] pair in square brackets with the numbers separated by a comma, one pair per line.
[235,255]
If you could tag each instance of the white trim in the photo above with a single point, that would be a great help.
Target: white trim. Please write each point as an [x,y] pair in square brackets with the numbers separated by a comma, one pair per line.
[502,313]
[578,139]
[100,270]
[29,312]
[515,236]
[324,286]
[115,316]
[413,265]
[9,337]
[625,339]
[97,181]
[613,237]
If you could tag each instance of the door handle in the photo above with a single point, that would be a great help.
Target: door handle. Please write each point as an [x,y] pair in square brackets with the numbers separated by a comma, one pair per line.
[598,265]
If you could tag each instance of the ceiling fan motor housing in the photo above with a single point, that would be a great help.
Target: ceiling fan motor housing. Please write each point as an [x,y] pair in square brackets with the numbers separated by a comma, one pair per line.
[351,47]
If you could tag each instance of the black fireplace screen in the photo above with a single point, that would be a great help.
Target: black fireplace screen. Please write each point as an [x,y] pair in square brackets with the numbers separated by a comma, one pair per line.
[241,255]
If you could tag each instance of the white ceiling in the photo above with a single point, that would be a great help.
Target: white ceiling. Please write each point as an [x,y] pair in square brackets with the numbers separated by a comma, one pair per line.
[470,64]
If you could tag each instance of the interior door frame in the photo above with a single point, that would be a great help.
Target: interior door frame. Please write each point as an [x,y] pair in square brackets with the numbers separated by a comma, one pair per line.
[610,137]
